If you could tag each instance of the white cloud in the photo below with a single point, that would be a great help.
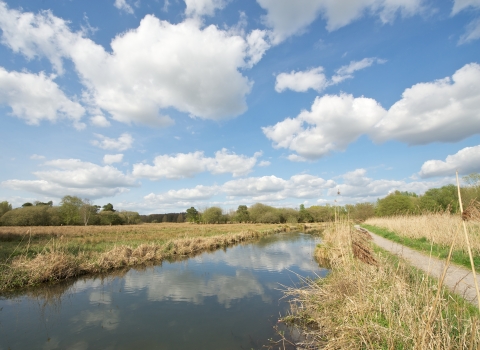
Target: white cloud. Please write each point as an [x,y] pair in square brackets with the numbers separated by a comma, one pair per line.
[466,161]
[74,177]
[183,165]
[333,123]
[357,187]
[345,72]
[112,158]
[200,192]
[123,5]
[302,81]
[156,66]
[264,163]
[460,5]
[203,7]
[288,17]
[36,97]
[472,33]
[445,110]
[100,120]
[123,143]
[315,79]
[37,157]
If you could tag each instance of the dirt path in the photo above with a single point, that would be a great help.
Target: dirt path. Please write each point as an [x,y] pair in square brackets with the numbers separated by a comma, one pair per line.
[458,279]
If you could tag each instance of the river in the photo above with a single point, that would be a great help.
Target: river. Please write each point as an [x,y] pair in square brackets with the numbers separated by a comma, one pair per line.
[227,299]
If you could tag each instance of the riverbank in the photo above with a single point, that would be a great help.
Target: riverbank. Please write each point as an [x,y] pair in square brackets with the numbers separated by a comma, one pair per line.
[31,256]
[372,299]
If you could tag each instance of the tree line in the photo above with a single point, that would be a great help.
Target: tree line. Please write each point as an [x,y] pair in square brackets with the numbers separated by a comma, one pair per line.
[76,211]
[71,211]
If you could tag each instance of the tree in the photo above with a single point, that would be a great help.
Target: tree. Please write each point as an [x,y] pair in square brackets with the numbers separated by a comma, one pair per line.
[130,217]
[86,210]
[70,209]
[212,215]
[28,204]
[180,218]
[4,207]
[108,207]
[305,216]
[242,214]
[395,204]
[192,215]
[38,203]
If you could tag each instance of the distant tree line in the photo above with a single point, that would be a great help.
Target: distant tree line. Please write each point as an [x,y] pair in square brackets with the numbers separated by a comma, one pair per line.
[76,211]
[71,211]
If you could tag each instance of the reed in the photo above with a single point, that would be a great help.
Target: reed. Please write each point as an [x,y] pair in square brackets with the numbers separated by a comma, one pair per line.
[387,305]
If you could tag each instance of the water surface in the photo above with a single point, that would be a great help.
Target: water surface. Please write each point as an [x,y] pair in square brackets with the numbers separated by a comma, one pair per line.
[222,300]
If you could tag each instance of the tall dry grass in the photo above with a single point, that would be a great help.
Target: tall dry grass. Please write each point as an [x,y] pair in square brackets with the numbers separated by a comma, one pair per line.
[383,306]
[437,228]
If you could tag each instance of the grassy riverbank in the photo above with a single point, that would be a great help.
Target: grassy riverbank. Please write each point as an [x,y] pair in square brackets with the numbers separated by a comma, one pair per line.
[30,256]
[382,303]
[431,233]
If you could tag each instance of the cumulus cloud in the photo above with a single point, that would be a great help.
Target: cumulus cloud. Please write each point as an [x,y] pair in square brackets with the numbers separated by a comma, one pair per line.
[357,187]
[288,18]
[445,110]
[159,65]
[112,158]
[332,123]
[254,189]
[199,192]
[100,120]
[203,7]
[123,5]
[183,165]
[74,177]
[315,79]
[36,97]
[123,143]
[465,161]
[302,81]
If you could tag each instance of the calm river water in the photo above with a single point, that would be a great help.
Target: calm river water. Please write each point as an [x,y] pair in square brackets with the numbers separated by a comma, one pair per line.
[221,300]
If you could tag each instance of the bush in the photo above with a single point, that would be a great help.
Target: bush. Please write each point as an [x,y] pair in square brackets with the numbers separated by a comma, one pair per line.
[27,216]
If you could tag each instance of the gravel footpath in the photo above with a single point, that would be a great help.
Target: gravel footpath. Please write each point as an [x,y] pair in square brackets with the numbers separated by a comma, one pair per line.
[458,279]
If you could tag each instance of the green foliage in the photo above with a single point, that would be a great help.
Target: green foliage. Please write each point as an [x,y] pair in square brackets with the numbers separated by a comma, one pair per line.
[305,215]
[28,204]
[27,216]
[395,204]
[108,217]
[242,215]
[361,211]
[263,213]
[129,217]
[212,215]
[322,213]
[108,207]
[4,207]
[193,215]
[446,197]
[288,215]
[70,209]
[38,203]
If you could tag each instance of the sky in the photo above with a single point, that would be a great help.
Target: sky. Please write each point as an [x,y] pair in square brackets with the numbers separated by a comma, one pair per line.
[157,106]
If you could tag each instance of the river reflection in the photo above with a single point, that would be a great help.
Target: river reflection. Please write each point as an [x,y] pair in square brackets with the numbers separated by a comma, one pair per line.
[221,300]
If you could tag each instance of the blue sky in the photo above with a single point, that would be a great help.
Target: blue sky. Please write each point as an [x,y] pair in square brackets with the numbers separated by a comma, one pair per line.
[157,106]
